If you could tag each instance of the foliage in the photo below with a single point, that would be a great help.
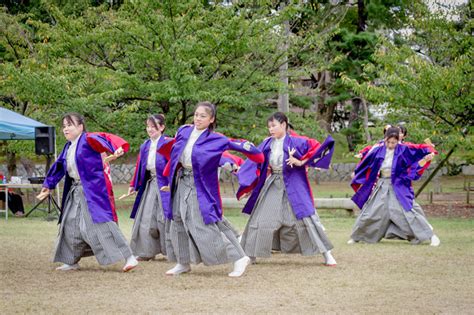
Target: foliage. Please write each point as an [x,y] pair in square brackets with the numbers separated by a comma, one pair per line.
[117,66]
[118,61]
[429,86]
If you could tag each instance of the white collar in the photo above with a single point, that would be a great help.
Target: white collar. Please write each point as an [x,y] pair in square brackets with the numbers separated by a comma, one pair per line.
[197,132]
[74,142]
[154,142]
[279,140]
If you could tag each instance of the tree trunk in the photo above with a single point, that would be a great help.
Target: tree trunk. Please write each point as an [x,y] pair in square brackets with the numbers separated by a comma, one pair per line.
[314,85]
[29,166]
[326,111]
[11,163]
[165,106]
[184,109]
[368,138]
[353,116]
[362,16]
[283,97]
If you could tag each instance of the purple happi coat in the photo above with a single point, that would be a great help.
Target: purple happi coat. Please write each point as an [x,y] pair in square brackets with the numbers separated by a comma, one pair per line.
[252,176]
[404,158]
[206,154]
[95,182]
[141,175]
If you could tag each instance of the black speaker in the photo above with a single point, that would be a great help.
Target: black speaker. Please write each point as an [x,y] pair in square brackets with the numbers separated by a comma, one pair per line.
[44,140]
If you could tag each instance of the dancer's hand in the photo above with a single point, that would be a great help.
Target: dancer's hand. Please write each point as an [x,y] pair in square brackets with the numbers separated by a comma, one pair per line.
[131,191]
[119,152]
[429,157]
[165,188]
[43,194]
[426,159]
[292,161]
[246,195]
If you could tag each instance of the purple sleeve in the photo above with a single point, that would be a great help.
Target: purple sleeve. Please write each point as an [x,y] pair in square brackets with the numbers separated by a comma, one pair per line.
[363,168]
[416,171]
[57,171]
[414,153]
[323,155]
[249,173]
[247,148]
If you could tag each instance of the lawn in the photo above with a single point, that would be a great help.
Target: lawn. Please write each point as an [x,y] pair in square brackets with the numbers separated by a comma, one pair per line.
[390,277]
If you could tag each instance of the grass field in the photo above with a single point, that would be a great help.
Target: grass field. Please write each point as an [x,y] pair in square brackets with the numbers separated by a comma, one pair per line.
[390,277]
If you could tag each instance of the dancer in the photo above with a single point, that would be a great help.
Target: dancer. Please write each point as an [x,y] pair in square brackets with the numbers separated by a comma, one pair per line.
[88,221]
[362,153]
[148,232]
[281,206]
[387,201]
[197,232]
[230,162]
[415,172]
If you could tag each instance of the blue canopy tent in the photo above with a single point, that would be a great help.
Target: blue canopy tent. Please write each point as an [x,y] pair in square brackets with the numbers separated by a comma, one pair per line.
[14,126]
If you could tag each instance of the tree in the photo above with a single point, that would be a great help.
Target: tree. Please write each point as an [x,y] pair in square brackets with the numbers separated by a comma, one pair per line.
[118,65]
[428,80]
[18,67]
[356,45]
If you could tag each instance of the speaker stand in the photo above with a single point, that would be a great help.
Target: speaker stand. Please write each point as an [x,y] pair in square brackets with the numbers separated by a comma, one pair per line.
[52,209]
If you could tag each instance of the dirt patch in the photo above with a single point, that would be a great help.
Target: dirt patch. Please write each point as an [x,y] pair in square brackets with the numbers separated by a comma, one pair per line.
[449,210]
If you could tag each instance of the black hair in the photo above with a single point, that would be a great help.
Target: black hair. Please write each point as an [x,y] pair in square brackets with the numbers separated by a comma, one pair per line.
[385,128]
[75,119]
[403,129]
[156,119]
[211,110]
[392,132]
[280,117]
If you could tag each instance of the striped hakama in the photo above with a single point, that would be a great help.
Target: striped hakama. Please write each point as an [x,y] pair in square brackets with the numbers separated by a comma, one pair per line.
[148,232]
[274,226]
[383,217]
[229,225]
[191,240]
[80,237]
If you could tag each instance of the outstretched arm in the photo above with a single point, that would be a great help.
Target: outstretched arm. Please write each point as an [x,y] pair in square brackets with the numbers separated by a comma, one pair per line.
[247,148]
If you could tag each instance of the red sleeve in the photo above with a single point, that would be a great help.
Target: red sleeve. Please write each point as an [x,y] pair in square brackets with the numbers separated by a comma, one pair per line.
[116,141]
[313,146]
[365,150]
[166,148]
[106,142]
[237,160]
[167,169]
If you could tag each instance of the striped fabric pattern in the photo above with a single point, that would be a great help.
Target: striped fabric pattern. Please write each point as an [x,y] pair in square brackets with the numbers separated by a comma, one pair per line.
[192,240]
[80,237]
[274,226]
[383,217]
[148,232]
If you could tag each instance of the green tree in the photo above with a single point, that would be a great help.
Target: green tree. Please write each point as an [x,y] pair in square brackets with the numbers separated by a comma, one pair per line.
[427,81]
[118,65]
